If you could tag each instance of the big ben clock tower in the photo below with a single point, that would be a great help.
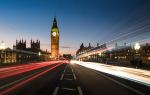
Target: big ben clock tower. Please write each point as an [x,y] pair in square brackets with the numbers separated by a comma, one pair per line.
[54,40]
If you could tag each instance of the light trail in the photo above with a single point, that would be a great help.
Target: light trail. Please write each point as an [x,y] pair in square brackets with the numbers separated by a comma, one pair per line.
[12,88]
[127,34]
[11,71]
[16,66]
[136,75]
[133,25]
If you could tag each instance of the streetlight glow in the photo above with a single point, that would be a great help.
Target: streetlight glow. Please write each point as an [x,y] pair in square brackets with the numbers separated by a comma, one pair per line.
[39,53]
[137,46]
[2,46]
[100,54]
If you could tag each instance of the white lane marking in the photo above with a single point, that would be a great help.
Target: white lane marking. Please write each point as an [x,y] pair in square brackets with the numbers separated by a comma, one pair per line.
[68,89]
[65,69]
[68,79]
[128,87]
[71,69]
[56,91]
[62,76]
[80,90]
[73,73]
[74,76]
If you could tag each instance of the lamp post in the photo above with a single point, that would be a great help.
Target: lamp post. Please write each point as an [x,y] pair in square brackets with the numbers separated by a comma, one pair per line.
[137,47]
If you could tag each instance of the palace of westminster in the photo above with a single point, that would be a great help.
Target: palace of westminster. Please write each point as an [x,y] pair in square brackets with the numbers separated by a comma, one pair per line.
[21,54]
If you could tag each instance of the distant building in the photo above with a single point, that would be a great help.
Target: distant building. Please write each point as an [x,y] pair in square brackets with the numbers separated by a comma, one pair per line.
[127,54]
[7,55]
[120,54]
[91,53]
[83,49]
[29,54]
[21,54]
[34,45]
[21,44]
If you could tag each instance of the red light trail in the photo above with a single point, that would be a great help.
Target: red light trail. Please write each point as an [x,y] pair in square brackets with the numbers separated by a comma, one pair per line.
[10,71]
[22,69]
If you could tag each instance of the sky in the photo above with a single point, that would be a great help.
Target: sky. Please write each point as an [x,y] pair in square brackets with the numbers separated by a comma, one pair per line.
[79,21]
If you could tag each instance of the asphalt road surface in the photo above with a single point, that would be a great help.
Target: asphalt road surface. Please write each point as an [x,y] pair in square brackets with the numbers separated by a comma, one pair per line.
[63,79]
[97,83]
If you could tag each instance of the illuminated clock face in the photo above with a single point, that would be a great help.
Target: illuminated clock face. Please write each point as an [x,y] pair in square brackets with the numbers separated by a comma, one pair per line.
[54,33]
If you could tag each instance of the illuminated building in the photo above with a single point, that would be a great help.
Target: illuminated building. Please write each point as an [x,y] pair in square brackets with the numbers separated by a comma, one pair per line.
[128,55]
[32,53]
[21,54]
[7,55]
[54,40]
[83,49]
[125,55]
[87,54]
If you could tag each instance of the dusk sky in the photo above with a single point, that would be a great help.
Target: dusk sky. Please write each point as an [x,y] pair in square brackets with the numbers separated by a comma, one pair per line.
[79,21]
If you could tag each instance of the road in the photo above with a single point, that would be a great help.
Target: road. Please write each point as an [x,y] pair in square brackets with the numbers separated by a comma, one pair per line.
[30,79]
[97,83]
[58,78]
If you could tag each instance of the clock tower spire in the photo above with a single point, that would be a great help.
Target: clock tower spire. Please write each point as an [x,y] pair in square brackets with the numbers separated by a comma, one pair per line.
[54,23]
[54,40]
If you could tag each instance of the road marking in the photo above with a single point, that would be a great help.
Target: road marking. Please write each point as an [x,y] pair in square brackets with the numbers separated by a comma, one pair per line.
[80,90]
[128,87]
[62,76]
[74,76]
[73,73]
[69,89]
[65,69]
[56,91]
[68,79]
[71,69]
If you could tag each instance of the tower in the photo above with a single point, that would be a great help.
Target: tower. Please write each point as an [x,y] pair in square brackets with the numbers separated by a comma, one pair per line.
[35,45]
[54,40]
[21,44]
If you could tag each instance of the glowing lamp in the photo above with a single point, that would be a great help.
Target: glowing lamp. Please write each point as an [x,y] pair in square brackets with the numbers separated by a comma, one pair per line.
[137,46]
[100,54]
[39,53]
[2,46]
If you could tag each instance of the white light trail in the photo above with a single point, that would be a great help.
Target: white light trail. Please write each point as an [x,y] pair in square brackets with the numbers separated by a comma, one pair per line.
[136,75]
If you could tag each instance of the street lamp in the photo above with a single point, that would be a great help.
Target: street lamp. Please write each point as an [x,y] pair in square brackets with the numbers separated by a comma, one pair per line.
[39,53]
[39,56]
[137,47]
